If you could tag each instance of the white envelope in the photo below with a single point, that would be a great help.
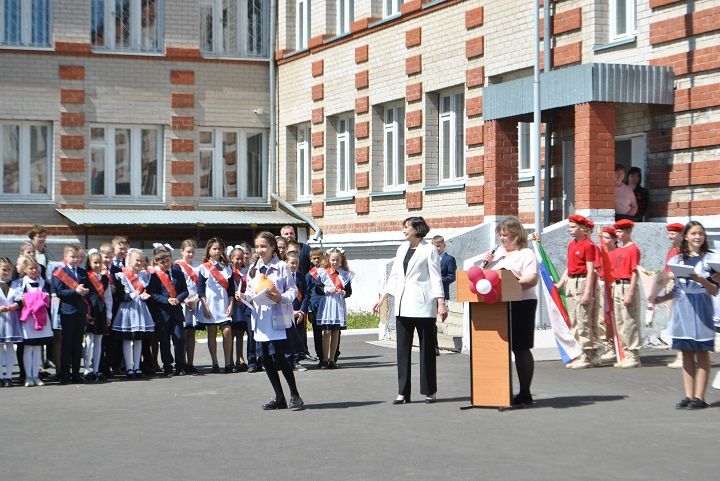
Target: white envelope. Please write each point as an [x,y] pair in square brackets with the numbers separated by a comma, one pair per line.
[681,270]
[262,299]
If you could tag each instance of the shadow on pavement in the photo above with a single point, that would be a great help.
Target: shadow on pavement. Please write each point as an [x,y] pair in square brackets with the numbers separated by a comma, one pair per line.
[574,401]
[342,405]
[348,365]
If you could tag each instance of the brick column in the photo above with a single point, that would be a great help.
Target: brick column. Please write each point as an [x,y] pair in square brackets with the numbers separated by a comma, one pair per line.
[362,131]
[595,159]
[317,138]
[501,168]
[474,134]
[182,158]
[72,177]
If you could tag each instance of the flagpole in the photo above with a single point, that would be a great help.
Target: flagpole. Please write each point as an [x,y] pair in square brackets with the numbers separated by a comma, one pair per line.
[536,118]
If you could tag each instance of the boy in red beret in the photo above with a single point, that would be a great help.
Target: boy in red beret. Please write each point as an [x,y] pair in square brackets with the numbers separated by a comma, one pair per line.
[625,295]
[604,336]
[578,280]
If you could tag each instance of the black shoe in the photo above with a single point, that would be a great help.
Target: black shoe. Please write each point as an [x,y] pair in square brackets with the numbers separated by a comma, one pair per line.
[684,402]
[130,375]
[324,365]
[190,369]
[215,369]
[332,365]
[101,377]
[140,374]
[337,355]
[179,371]
[252,369]
[230,368]
[522,400]
[242,367]
[275,404]
[296,402]
[78,379]
[91,378]
[697,403]
[404,400]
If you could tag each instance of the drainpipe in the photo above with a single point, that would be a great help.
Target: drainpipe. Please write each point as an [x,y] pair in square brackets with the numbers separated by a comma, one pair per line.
[549,124]
[272,151]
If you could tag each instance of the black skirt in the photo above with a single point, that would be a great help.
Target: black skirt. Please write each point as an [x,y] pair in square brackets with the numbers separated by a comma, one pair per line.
[522,324]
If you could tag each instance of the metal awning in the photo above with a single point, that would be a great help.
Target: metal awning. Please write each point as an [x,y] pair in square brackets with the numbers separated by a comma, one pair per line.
[591,82]
[90,217]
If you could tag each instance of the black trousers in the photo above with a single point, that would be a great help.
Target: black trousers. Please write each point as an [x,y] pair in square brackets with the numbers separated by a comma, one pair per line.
[428,362]
[317,337]
[171,329]
[73,329]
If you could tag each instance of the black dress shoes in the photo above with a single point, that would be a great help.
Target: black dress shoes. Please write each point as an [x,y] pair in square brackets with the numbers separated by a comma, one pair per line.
[404,400]
[296,402]
[275,404]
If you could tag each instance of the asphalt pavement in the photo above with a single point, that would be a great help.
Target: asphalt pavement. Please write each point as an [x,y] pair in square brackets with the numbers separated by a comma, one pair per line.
[594,424]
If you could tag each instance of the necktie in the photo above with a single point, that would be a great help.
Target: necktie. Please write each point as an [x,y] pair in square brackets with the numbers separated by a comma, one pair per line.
[74,273]
[263,270]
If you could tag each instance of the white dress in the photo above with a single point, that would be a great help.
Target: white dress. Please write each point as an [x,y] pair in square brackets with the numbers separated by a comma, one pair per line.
[133,319]
[10,330]
[30,334]
[190,316]
[270,321]
[331,308]
[217,297]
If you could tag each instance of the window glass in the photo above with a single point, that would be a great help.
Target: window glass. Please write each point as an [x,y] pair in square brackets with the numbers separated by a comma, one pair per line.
[122,162]
[229,155]
[254,165]
[11,159]
[39,152]
[149,161]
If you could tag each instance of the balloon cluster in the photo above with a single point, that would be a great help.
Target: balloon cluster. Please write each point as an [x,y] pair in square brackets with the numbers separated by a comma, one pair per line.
[484,283]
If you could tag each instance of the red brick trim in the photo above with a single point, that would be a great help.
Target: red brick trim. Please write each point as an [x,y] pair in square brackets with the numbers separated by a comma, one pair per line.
[72,164]
[475,47]
[362,80]
[414,200]
[182,77]
[182,146]
[317,162]
[72,72]
[318,92]
[318,40]
[500,192]
[567,54]
[362,155]
[699,60]
[695,98]
[414,146]
[413,92]
[182,167]
[362,24]
[317,139]
[318,186]
[411,6]
[72,48]
[413,119]
[182,189]
[72,119]
[688,25]
[413,37]
[705,172]
[182,207]
[393,225]
[361,54]
[72,96]
[182,100]
[413,173]
[475,77]
[474,194]
[318,115]
[661,3]
[564,22]
[174,53]
[413,65]
[362,205]
[362,180]
[686,137]
[474,18]
[72,187]
[182,122]
[474,135]
[595,156]
[318,209]
[362,105]
[683,208]
[72,142]
[362,130]
[318,68]
[474,165]
[474,106]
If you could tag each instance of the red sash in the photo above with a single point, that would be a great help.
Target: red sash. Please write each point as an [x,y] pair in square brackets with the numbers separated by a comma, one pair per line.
[335,278]
[188,270]
[133,280]
[313,273]
[239,279]
[217,275]
[68,280]
[166,282]
[96,283]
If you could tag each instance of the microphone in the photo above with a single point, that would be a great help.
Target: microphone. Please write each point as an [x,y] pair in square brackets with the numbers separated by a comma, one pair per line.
[485,262]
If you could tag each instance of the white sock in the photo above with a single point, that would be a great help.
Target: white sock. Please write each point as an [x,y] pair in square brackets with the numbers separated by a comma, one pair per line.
[27,361]
[88,352]
[6,364]
[127,354]
[137,350]
[36,360]
[97,352]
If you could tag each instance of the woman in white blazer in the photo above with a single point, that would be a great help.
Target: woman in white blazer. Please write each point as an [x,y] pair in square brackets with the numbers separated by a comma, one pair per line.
[416,284]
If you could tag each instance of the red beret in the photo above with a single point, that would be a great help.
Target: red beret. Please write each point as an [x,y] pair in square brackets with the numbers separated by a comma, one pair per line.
[676,227]
[610,230]
[578,219]
[590,224]
[624,224]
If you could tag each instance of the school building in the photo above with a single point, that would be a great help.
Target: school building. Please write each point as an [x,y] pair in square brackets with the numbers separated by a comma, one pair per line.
[154,118]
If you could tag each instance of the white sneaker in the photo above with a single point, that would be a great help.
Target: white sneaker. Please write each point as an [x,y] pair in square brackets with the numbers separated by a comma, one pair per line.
[676,363]
[38,381]
[608,356]
[29,382]
[628,363]
[580,363]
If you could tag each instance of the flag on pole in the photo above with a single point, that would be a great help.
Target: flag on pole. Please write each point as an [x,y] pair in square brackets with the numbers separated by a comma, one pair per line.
[559,320]
[609,302]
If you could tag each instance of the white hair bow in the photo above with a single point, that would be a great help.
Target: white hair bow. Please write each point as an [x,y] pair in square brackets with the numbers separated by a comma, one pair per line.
[339,249]
[92,251]
[229,249]
[166,246]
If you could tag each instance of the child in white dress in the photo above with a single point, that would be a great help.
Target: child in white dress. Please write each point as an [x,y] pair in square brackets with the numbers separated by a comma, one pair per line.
[10,332]
[334,287]
[190,305]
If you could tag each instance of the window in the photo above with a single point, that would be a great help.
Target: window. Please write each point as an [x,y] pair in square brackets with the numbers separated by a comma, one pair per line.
[452,136]
[25,155]
[345,154]
[304,171]
[345,15]
[525,148]
[127,25]
[234,28]
[232,164]
[25,23]
[302,24]
[126,162]
[394,147]
[391,7]
[622,18]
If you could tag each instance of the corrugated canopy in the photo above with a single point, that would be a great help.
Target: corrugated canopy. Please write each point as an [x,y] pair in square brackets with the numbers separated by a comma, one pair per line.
[176,217]
[591,82]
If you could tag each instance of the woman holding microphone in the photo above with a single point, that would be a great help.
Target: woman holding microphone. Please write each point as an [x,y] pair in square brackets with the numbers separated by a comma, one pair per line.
[416,284]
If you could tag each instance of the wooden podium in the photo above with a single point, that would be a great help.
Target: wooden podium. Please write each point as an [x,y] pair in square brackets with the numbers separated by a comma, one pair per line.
[490,344]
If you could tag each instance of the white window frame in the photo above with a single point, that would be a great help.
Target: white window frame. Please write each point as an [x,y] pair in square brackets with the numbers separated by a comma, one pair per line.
[242,48]
[526,149]
[108,144]
[396,163]
[391,7]
[345,143]
[303,165]
[24,163]
[302,28]
[26,24]
[455,117]
[345,10]
[630,17]
[241,152]
[135,46]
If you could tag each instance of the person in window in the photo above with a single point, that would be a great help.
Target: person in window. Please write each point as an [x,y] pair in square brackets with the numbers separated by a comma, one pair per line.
[625,203]
[642,195]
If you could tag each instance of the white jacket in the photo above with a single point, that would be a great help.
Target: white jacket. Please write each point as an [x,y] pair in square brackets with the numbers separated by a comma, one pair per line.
[417,291]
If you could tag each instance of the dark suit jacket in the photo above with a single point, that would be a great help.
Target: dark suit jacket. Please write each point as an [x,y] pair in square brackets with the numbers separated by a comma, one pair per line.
[301,283]
[71,302]
[448,266]
[156,289]
[304,264]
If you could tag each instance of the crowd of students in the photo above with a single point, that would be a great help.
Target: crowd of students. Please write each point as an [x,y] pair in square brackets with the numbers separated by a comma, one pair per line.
[604,307]
[109,312]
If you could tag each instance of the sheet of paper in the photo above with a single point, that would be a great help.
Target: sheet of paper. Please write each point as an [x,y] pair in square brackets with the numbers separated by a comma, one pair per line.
[680,270]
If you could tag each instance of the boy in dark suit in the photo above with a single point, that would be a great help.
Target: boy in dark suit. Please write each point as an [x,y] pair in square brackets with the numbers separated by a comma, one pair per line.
[297,333]
[168,289]
[448,266]
[69,283]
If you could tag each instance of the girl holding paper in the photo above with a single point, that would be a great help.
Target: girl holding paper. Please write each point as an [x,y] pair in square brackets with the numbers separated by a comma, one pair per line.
[692,326]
